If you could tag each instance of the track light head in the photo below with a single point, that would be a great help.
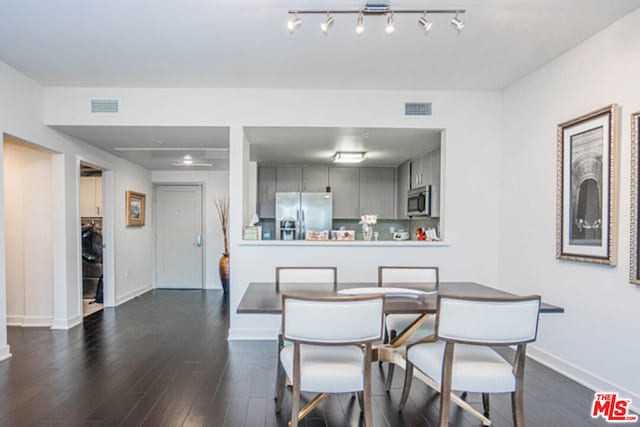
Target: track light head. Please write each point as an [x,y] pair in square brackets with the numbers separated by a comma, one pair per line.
[389,28]
[294,23]
[457,24]
[360,24]
[326,25]
[424,23]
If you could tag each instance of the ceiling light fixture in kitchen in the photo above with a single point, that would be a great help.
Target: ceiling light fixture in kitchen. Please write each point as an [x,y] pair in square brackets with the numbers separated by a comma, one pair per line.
[376,9]
[187,160]
[348,156]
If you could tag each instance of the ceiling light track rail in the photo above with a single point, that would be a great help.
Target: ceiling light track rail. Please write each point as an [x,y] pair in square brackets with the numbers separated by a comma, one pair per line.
[378,12]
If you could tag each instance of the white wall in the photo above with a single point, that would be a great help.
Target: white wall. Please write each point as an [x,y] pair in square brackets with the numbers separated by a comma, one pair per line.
[471,154]
[21,115]
[27,177]
[216,185]
[596,339]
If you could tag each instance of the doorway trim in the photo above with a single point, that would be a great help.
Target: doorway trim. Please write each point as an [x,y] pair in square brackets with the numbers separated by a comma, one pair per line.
[108,233]
[203,226]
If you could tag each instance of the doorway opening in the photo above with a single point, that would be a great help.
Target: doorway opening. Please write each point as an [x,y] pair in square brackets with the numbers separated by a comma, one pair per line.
[91,232]
[28,172]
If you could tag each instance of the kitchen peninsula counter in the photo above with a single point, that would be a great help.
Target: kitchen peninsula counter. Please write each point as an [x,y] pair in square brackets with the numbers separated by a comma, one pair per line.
[379,243]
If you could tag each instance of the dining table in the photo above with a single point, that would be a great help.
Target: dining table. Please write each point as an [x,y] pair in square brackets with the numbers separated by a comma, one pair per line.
[400,298]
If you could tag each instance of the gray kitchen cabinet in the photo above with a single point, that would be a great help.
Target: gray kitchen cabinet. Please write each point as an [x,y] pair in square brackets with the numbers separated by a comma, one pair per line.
[415,167]
[377,192]
[315,178]
[266,192]
[435,182]
[345,188]
[288,179]
[403,184]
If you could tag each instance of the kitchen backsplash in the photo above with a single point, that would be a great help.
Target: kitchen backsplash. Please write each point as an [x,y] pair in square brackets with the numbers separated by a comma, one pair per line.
[383,227]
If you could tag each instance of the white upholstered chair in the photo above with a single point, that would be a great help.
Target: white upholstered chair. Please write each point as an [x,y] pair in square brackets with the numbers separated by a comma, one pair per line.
[423,278]
[322,277]
[331,351]
[461,358]
[316,278]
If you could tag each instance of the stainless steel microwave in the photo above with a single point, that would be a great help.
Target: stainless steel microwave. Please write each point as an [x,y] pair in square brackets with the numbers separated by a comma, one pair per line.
[419,202]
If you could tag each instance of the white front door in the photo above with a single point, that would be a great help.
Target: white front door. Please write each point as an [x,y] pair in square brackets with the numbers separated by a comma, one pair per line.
[179,241]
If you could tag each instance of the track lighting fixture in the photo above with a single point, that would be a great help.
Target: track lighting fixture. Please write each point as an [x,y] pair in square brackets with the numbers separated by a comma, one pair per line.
[424,23]
[389,27]
[360,24]
[377,10]
[294,23]
[457,24]
[326,25]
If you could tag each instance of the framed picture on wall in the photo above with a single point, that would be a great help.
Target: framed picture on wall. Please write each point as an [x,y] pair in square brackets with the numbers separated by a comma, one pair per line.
[135,206]
[634,275]
[586,198]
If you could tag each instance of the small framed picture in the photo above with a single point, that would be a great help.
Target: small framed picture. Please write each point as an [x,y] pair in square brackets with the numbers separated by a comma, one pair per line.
[634,275]
[587,190]
[135,207]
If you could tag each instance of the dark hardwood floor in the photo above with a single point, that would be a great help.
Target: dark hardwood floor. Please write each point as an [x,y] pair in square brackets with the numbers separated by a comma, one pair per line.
[163,360]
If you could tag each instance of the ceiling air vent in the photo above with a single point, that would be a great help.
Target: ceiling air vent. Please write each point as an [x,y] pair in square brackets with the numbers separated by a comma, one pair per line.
[417,108]
[104,105]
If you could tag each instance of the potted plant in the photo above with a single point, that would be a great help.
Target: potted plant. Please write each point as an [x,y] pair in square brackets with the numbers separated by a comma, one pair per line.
[222,206]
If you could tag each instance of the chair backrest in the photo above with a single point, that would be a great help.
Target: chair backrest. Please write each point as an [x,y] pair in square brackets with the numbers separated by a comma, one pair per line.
[318,275]
[426,278]
[332,320]
[487,321]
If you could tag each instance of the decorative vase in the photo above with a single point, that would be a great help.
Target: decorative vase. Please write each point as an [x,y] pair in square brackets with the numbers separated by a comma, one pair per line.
[224,271]
[367,232]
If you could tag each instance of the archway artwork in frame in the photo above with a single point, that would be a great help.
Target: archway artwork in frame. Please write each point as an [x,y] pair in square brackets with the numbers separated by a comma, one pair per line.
[587,187]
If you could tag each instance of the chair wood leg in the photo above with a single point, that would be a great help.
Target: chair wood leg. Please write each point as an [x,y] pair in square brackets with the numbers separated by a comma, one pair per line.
[445,390]
[391,367]
[485,404]
[360,395]
[295,398]
[281,386]
[368,415]
[408,378]
[517,397]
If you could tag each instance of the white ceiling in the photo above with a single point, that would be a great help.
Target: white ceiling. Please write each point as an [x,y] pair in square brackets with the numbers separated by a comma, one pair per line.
[244,43]
[159,146]
[313,145]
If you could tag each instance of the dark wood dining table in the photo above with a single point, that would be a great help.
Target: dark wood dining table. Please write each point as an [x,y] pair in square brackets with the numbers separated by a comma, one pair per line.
[263,298]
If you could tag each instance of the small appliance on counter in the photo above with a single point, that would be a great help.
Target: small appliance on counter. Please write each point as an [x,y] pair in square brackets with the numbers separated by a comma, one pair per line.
[400,235]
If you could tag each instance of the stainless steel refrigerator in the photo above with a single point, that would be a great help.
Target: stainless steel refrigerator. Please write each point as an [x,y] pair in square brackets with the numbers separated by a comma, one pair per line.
[297,213]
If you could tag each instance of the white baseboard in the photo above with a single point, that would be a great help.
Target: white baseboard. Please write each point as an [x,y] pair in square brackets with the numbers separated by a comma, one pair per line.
[132,294]
[581,376]
[64,324]
[30,321]
[253,334]
[5,352]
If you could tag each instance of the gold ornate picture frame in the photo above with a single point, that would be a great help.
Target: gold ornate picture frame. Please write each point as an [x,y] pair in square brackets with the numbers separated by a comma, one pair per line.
[135,209]
[634,273]
[587,188]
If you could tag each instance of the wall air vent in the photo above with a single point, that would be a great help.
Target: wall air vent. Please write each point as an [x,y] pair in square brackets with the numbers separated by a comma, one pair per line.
[104,106]
[417,108]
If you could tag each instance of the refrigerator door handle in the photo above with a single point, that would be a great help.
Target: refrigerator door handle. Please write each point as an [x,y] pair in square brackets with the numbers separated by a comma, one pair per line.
[304,227]
[298,225]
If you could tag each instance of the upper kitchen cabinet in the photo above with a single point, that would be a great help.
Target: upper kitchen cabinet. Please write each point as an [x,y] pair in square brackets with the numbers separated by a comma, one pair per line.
[345,187]
[435,182]
[403,184]
[377,192]
[288,179]
[315,178]
[91,196]
[266,191]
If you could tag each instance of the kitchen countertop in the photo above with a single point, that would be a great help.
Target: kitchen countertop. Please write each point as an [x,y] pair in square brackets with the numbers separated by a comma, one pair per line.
[396,243]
